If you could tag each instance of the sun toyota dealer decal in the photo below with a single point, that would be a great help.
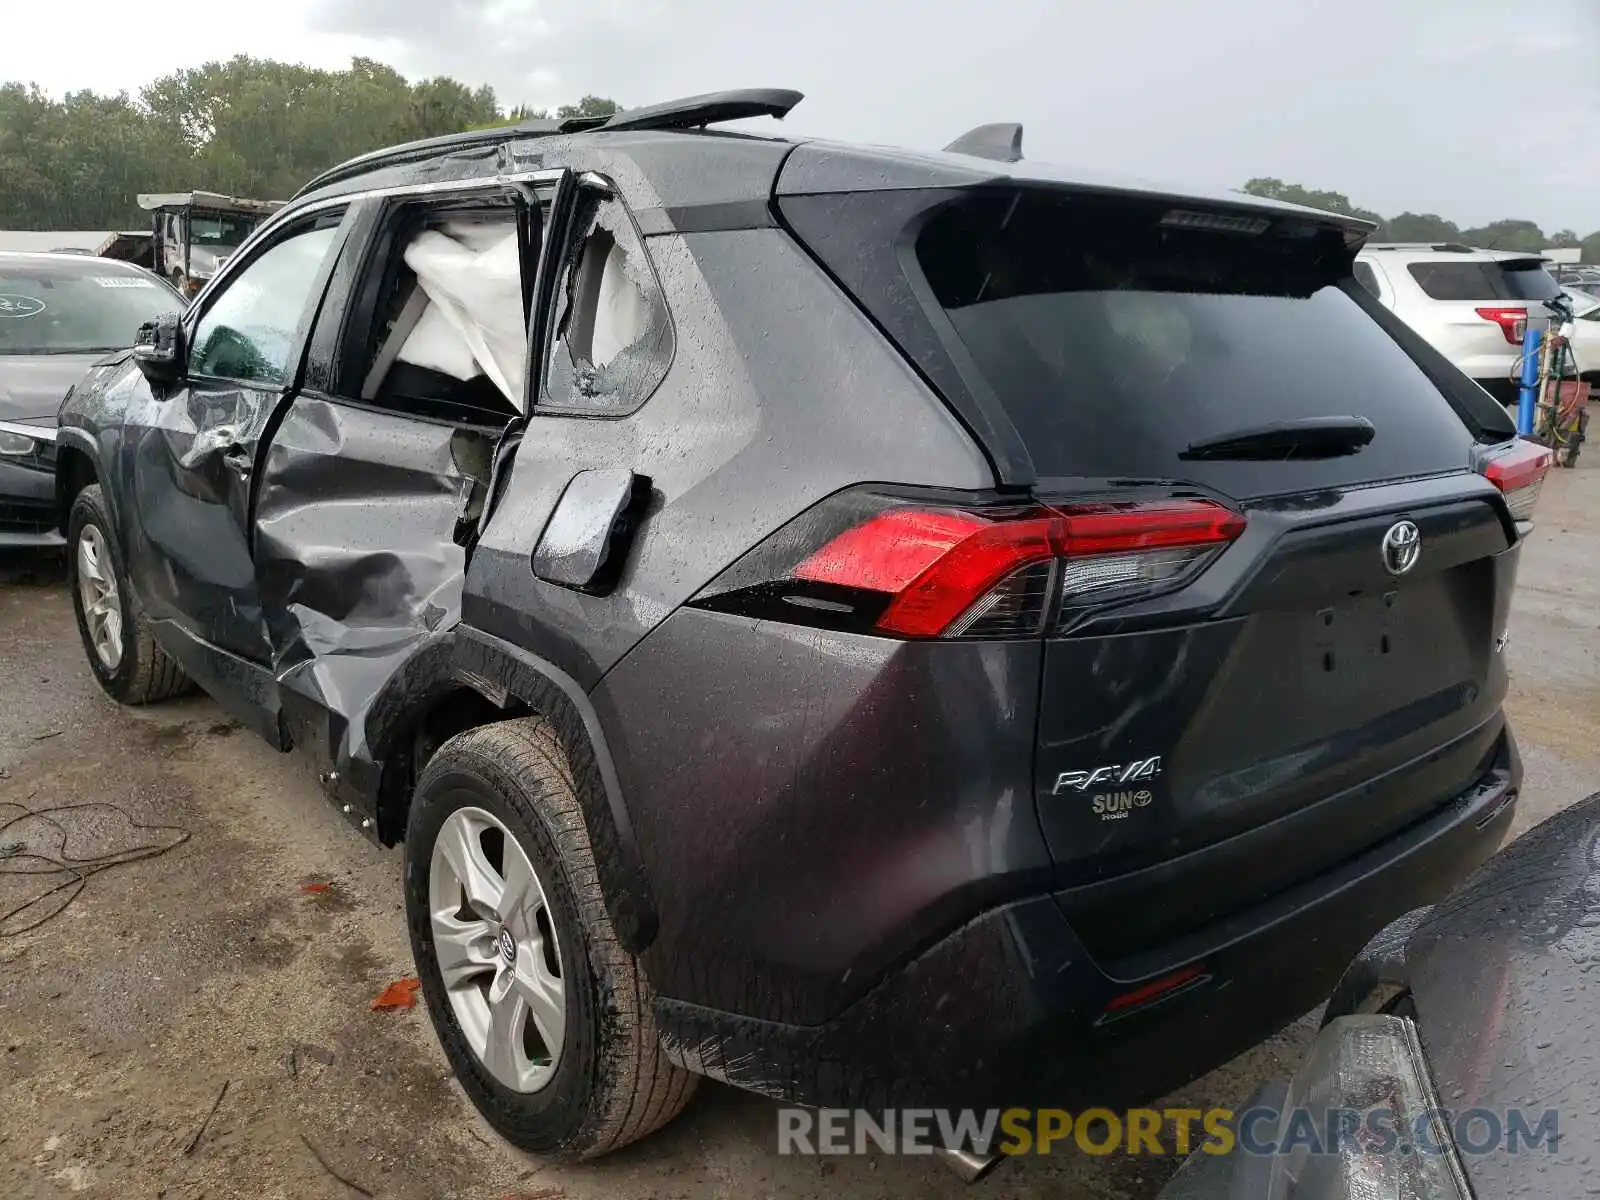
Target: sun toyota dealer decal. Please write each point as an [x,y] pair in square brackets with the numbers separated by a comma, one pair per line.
[1115,786]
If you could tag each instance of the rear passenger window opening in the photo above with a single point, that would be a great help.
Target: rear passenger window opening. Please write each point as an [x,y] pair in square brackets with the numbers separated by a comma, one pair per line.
[449,329]
[611,337]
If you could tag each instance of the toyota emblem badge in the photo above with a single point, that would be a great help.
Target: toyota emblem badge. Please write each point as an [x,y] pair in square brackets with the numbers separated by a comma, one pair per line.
[1402,546]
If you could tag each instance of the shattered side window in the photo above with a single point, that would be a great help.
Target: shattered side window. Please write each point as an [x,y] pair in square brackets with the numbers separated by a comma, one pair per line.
[612,337]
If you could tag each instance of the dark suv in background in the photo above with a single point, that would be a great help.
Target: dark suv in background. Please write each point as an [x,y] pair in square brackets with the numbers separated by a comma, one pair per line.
[876,628]
[59,314]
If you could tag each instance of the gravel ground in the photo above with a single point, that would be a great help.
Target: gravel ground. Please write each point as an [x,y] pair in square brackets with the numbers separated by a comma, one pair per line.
[166,980]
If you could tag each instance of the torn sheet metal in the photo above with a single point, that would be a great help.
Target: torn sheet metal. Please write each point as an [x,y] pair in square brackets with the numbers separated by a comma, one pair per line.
[193,505]
[360,567]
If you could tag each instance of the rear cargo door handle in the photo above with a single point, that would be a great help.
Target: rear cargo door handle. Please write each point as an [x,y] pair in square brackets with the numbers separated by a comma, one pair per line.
[239,460]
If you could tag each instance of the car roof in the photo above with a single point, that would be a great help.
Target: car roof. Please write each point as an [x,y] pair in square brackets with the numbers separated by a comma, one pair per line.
[825,166]
[1443,252]
[688,113]
[673,148]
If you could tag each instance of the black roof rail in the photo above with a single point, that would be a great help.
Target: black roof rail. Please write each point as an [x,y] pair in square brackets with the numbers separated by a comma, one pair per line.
[1001,142]
[1442,247]
[393,156]
[689,113]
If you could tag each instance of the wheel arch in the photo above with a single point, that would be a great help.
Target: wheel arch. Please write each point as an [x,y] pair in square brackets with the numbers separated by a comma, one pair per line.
[75,470]
[474,679]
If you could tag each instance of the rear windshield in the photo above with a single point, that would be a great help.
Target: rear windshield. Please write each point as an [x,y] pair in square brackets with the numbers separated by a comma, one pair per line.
[57,306]
[1115,334]
[1514,279]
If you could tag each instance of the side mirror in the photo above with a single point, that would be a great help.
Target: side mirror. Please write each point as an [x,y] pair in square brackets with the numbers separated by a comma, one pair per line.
[158,349]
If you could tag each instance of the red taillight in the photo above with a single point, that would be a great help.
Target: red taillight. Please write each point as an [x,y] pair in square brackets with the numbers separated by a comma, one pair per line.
[933,600]
[1519,474]
[941,564]
[889,551]
[1513,322]
[1163,524]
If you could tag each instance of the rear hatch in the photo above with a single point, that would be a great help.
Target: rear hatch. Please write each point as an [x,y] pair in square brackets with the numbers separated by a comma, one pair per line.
[1222,720]
[1481,307]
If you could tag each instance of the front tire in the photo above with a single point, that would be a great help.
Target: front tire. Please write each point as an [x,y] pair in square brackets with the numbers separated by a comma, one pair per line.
[123,654]
[546,1020]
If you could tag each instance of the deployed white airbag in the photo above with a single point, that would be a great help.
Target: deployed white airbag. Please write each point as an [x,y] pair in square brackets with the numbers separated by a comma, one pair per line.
[622,314]
[473,323]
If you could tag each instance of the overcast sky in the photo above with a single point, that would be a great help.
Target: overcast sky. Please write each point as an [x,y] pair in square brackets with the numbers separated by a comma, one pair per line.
[1468,108]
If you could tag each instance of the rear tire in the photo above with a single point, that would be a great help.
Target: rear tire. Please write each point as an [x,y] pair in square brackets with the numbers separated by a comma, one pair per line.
[606,1081]
[122,652]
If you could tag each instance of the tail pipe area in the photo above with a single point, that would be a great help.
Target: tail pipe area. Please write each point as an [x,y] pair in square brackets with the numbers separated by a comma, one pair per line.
[970,1165]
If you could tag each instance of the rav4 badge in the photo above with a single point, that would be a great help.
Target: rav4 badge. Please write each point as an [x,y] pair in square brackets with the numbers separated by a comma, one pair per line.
[1112,775]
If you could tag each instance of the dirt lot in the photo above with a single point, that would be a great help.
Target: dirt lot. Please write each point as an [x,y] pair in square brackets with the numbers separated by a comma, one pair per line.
[122,1019]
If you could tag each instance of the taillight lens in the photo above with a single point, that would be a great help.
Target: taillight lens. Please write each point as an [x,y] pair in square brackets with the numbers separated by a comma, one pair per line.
[897,567]
[1513,322]
[1519,471]
[1124,549]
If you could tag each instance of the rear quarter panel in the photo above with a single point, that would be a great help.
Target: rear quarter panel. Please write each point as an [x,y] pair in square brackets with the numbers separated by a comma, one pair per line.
[780,394]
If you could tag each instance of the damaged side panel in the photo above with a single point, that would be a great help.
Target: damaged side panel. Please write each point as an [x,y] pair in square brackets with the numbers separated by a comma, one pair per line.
[373,479]
[190,492]
[361,521]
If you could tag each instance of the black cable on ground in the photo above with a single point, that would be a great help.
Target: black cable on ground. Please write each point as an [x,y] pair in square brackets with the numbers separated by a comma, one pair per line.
[77,870]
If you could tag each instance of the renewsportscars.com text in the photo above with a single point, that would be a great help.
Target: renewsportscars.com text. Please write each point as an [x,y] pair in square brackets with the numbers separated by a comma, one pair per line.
[1257,1131]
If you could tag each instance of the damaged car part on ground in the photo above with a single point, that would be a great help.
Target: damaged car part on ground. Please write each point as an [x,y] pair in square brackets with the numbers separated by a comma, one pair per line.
[875,628]
[1472,1019]
[59,313]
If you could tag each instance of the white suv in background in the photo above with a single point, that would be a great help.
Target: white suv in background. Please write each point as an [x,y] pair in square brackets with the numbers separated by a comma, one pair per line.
[1473,305]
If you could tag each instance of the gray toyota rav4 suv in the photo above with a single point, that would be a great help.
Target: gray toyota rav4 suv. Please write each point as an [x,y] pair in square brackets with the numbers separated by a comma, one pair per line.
[876,628]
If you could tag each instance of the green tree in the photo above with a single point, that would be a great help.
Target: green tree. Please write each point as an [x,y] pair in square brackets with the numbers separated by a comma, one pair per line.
[1292,193]
[262,128]
[248,127]
[589,106]
[1420,227]
[1565,239]
[79,161]
[1506,235]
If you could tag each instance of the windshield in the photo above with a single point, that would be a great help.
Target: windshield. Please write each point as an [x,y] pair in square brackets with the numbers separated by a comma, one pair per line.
[74,307]
[219,229]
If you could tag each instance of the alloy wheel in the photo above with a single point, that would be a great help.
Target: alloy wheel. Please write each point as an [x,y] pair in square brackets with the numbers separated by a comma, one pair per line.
[497,950]
[102,603]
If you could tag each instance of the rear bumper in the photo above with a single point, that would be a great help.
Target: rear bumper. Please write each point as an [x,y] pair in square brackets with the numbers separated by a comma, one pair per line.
[1010,1009]
[1499,364]
[27,506]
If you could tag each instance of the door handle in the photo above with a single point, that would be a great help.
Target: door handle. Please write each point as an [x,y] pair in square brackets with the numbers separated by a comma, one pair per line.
[239,460]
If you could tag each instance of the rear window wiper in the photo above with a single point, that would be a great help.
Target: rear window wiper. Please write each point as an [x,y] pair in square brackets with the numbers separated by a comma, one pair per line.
[1313,437]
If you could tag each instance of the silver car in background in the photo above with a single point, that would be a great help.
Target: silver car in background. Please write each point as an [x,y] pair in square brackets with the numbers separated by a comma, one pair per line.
[1473,306]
